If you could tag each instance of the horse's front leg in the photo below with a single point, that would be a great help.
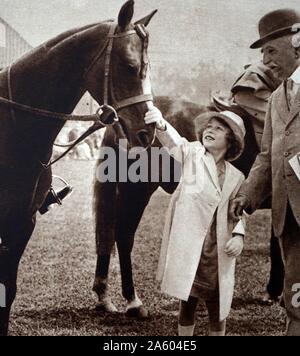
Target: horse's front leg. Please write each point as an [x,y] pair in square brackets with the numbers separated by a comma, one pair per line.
[101,285]
[13,243]
[135,306]
[105,208]
[132,201]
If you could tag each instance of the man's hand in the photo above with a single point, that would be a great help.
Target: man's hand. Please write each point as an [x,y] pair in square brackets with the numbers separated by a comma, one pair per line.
[154,116]
[234,246]
[236,207]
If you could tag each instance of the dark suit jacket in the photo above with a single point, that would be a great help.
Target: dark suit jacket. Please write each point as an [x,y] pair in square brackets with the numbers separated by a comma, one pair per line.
[271,171]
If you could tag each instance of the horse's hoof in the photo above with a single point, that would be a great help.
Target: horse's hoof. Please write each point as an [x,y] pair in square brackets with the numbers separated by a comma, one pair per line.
[139,313]
[106,306]
[267,299]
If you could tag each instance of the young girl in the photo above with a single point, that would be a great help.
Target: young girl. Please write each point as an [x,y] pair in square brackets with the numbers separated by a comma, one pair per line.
[200,243]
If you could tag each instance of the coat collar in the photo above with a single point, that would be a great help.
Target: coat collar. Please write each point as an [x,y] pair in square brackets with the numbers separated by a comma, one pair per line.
[295,77]
[295,109]
[231,180]
[231,176]
[281,103]
[212,169]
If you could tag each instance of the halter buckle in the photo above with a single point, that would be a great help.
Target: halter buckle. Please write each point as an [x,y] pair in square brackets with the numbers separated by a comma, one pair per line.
[107,115]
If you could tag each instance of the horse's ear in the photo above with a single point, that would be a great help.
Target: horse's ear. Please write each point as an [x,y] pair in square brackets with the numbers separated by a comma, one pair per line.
[126,14]
[145,20]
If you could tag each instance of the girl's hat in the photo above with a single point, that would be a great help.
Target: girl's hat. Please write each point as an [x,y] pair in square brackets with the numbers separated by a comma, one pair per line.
[234,121]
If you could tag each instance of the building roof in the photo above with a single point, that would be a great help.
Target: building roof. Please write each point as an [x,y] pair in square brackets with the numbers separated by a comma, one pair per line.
[12,44]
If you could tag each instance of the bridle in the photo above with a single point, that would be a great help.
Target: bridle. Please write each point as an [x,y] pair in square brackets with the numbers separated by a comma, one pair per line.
[139,30]
[106,115]
[117,106]
[108,88]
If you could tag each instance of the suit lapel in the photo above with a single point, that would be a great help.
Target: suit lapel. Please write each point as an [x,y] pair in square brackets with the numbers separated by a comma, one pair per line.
[212,169]
[281,103]
[295,109]
[231,180]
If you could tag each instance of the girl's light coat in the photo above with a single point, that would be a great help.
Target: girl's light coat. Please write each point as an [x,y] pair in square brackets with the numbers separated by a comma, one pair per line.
[189,217]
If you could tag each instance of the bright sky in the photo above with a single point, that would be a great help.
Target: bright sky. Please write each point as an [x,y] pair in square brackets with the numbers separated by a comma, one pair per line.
[184,30]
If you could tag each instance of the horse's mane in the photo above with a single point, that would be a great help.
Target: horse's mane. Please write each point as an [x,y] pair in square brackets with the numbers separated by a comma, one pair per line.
[57,42]
[63,36]
[68,37]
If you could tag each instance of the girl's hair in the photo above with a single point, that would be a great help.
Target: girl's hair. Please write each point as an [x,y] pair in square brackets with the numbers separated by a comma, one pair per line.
[234,146]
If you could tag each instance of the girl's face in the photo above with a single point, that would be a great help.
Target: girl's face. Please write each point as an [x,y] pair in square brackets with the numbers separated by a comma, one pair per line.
[215,135]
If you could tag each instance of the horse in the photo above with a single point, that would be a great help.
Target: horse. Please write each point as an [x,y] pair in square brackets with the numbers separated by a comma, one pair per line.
[119,206]
[37,94]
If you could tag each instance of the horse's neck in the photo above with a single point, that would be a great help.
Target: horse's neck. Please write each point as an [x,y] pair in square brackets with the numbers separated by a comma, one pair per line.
[48,81]
[49,78]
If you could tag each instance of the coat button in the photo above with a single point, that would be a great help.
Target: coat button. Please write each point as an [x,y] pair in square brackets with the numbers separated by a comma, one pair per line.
[286,154]
[287,133]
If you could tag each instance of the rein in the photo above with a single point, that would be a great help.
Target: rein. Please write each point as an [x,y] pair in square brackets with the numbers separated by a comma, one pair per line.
[106,115]
[47,114]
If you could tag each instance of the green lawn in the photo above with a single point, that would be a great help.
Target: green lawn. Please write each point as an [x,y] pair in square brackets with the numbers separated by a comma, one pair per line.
[56,274]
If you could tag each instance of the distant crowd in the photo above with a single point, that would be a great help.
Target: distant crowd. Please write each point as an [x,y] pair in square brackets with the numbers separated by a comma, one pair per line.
[87,150]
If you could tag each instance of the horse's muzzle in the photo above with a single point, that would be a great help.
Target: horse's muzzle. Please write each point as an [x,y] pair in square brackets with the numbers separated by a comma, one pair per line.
[145,138]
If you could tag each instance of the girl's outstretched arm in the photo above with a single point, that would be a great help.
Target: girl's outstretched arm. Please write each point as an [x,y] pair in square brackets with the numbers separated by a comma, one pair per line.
[167,134]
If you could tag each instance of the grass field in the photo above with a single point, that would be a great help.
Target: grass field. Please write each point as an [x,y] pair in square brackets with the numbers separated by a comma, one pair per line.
[56,274]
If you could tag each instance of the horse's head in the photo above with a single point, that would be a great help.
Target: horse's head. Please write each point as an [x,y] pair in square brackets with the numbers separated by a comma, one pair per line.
[123,60]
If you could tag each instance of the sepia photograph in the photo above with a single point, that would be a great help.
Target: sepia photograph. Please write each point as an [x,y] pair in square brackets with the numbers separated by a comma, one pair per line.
[149,170]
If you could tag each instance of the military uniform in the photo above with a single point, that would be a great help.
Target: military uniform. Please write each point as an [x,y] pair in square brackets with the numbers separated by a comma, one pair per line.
[251,92]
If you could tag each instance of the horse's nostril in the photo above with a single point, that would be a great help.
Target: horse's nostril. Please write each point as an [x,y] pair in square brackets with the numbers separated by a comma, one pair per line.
[143,137]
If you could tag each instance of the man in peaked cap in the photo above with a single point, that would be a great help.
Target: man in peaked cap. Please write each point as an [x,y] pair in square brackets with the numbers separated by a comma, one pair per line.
[272,171]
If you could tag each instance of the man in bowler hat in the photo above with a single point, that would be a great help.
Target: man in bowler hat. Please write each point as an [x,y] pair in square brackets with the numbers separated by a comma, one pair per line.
[272,172]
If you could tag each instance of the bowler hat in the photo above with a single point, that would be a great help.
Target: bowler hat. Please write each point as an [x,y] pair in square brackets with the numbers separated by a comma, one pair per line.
[277,24]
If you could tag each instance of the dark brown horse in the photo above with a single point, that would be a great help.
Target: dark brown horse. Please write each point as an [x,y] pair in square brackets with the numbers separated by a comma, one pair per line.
[107,59]
[120,206]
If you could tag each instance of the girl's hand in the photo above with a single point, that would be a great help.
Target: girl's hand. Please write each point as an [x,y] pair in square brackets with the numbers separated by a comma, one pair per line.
[234,246]
[154,116]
